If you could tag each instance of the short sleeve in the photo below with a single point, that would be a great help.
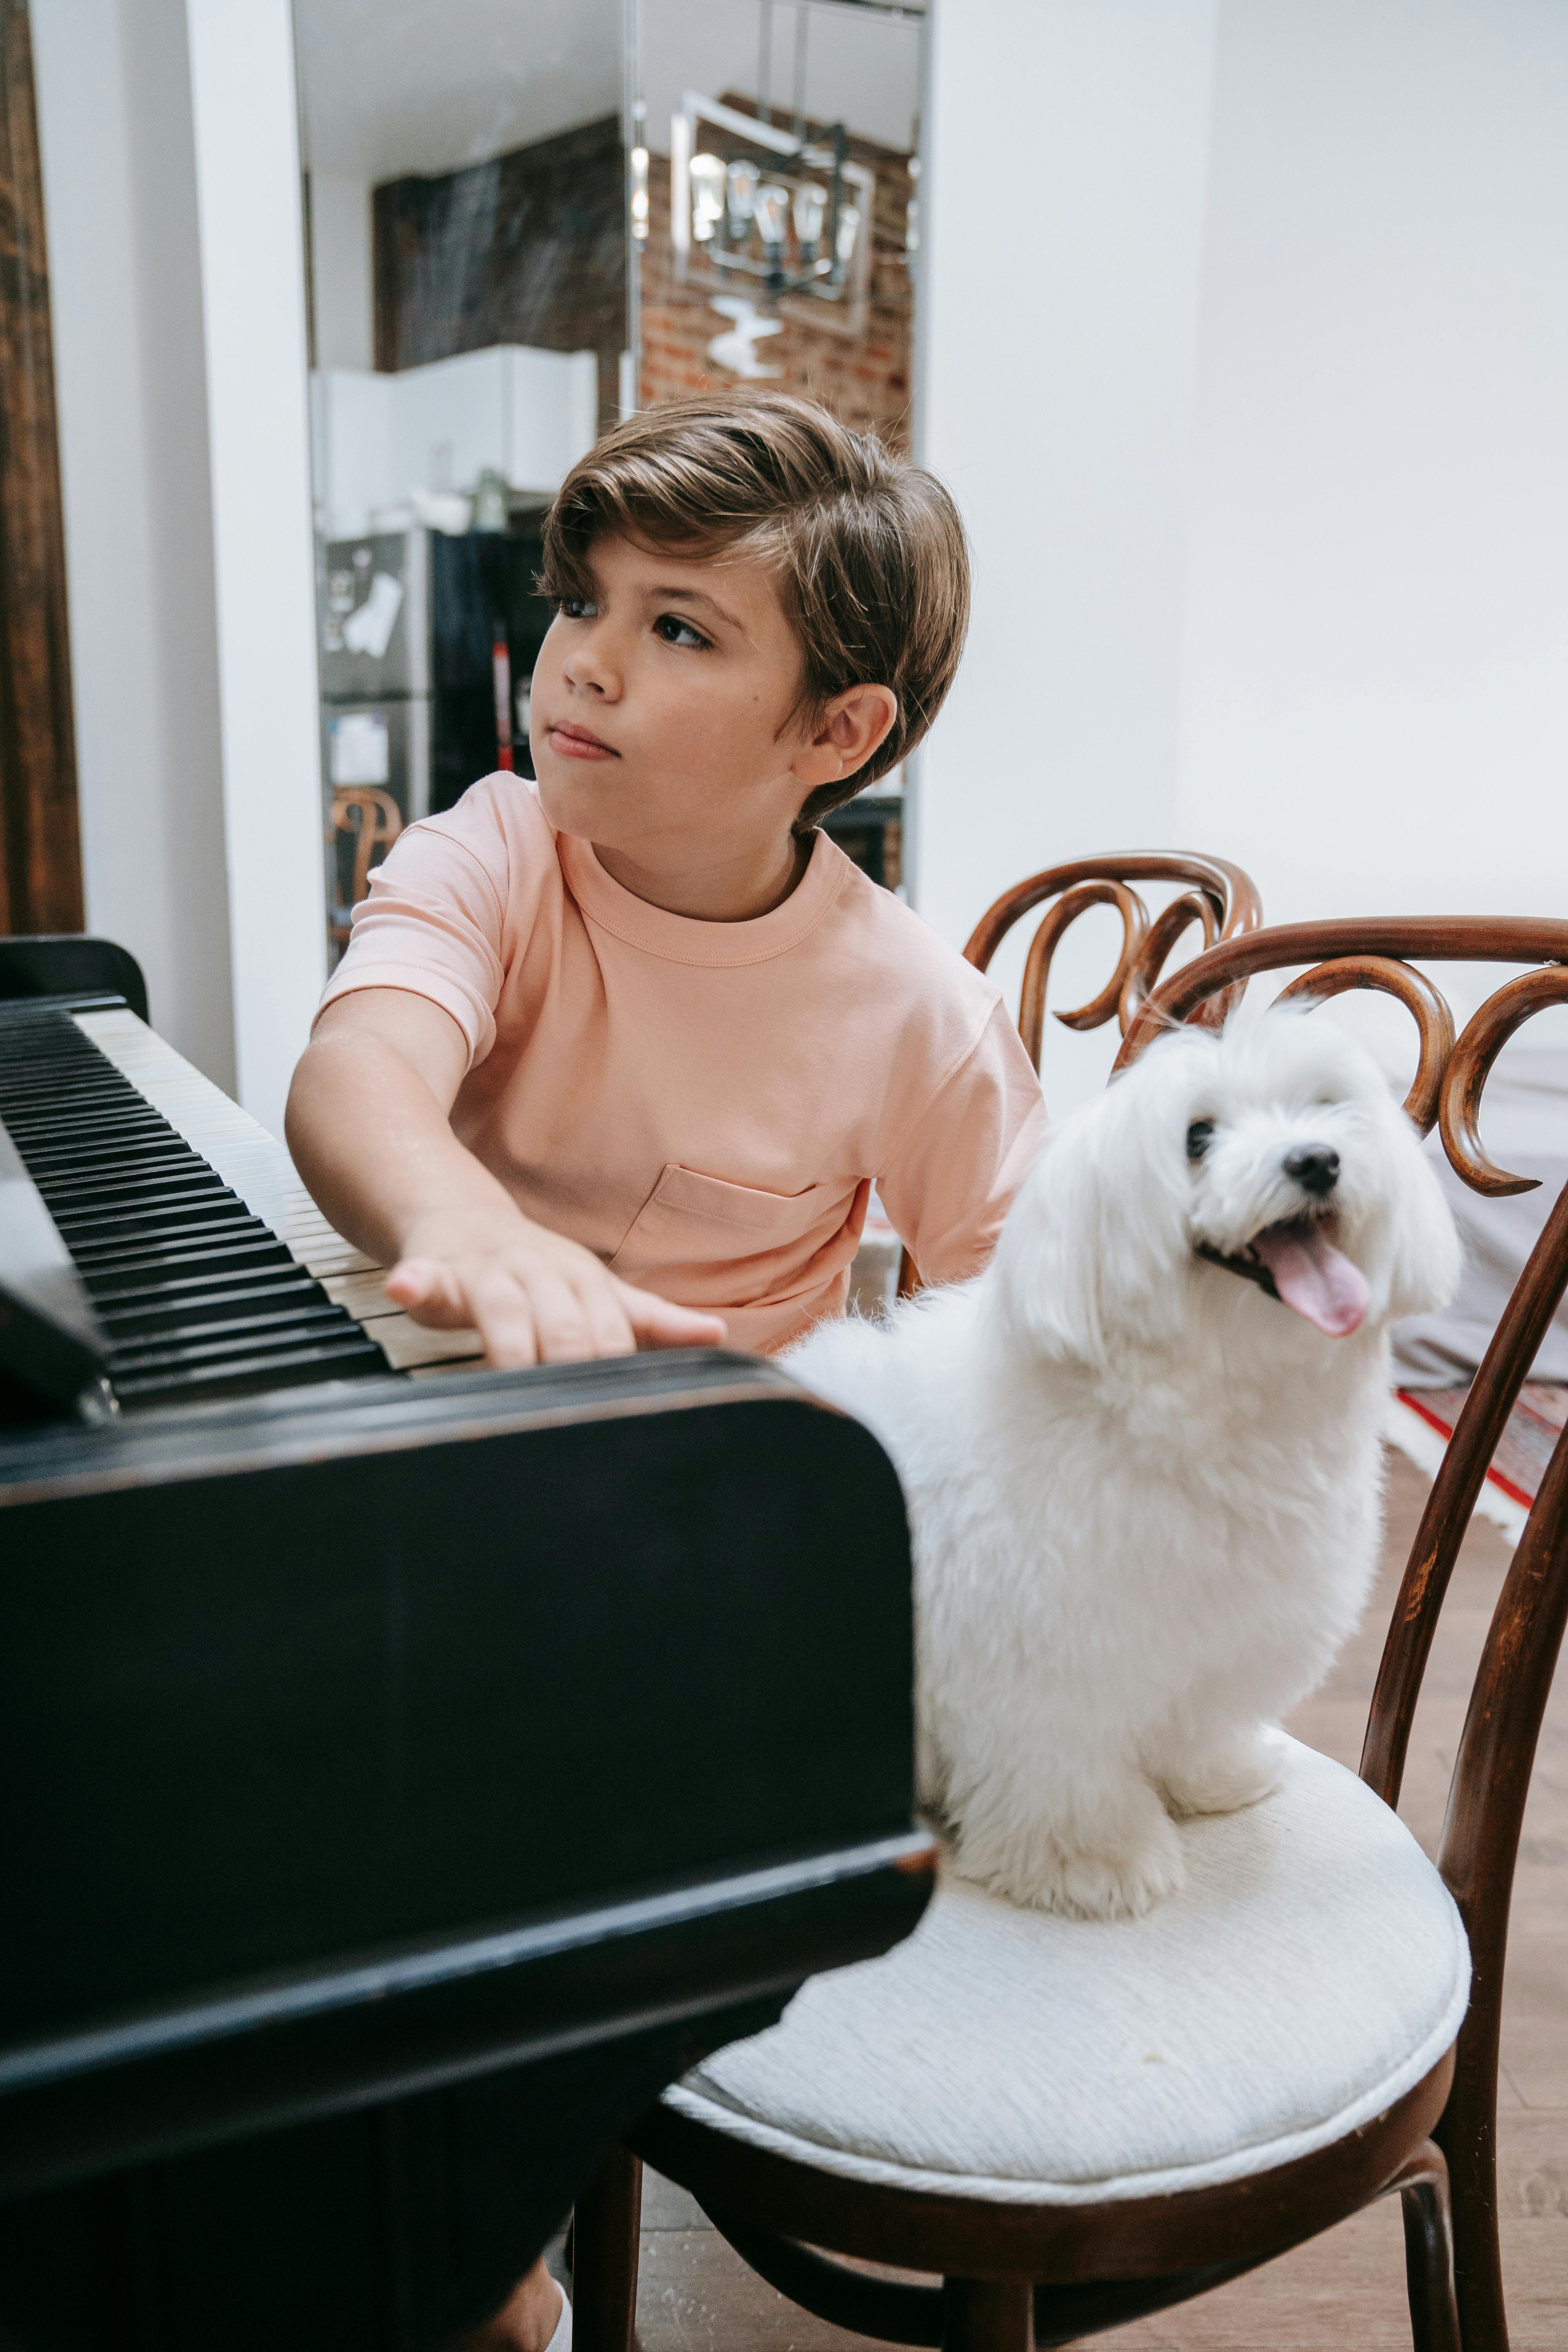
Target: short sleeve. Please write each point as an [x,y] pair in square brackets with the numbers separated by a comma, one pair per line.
[444,910]
[952,1178]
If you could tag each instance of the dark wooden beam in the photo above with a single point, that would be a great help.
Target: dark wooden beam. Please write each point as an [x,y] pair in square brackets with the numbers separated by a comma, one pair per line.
[41,846]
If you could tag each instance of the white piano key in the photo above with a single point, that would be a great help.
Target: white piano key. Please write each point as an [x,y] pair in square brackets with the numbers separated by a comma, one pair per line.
[409,1344]
[363,1295]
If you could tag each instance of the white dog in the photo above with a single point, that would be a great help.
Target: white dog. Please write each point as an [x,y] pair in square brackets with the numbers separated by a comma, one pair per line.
[1141,1452]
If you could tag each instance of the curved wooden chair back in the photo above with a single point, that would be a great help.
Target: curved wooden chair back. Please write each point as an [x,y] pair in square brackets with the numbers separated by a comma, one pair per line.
[372,819]
[372,822]
[1219,898]
[1513,1681]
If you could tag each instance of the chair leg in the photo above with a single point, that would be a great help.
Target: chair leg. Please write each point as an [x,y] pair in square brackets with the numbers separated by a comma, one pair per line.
[1429,2263]
[605,2255]
[1467,2135]
[987,2316]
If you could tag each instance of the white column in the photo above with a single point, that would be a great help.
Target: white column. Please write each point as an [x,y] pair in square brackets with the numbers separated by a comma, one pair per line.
[1063,206]
[120,192]
[248,183]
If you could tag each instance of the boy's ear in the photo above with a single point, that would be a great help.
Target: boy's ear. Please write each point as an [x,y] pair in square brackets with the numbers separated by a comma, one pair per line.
[848,730]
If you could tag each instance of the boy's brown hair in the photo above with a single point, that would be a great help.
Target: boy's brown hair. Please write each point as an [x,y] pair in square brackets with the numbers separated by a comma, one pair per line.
[868,553]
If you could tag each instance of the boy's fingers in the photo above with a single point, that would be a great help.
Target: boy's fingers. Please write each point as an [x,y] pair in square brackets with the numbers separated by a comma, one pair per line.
[659,1323]
[427,1290]
[564,1328]
[502,1312]
[612,1331]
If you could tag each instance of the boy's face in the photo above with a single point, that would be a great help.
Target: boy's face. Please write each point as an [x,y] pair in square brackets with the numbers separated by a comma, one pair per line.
[660,720]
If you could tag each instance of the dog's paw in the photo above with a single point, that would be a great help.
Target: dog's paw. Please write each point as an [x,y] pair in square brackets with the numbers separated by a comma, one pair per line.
[1119,1871]
[1117,1883]
[1234,1773]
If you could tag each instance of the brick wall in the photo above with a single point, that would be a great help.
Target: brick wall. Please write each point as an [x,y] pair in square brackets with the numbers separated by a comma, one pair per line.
[530,248]
[865,379]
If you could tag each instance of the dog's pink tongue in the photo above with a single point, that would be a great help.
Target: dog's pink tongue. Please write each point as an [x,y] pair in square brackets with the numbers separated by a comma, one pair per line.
[1318,1280]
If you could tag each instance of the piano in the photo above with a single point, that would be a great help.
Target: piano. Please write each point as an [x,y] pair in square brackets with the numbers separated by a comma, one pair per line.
[406,1769]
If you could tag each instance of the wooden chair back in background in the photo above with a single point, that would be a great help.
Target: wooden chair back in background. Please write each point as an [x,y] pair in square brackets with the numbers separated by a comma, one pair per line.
[373,821]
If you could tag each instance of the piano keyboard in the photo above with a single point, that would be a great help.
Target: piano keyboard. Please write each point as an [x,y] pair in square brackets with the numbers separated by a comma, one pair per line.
[212,1270]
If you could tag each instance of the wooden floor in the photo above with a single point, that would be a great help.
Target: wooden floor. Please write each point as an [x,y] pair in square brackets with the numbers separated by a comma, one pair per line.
[1346,2289]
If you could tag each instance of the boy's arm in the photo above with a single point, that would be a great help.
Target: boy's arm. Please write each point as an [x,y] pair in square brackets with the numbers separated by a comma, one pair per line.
[368,1128]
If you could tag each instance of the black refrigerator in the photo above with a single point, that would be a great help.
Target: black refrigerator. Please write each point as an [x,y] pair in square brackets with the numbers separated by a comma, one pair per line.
[410,626]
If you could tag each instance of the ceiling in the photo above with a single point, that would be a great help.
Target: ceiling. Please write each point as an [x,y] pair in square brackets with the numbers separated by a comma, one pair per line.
[390,86]
[396,86]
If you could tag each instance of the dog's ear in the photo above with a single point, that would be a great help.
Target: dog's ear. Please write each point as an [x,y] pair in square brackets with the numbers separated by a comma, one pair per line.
[1425,1257]
[1094,1253]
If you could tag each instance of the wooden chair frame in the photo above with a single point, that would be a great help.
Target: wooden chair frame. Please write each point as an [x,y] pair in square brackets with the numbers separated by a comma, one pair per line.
[373,820]
[1220,899]
[1012,2276]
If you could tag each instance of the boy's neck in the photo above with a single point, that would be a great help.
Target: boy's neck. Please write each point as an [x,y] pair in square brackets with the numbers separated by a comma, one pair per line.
[737,889]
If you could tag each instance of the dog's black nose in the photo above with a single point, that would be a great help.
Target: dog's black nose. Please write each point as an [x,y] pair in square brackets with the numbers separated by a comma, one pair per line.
[1315,1168]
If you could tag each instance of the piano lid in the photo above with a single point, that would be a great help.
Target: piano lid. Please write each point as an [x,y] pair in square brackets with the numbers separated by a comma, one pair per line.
[51,1341]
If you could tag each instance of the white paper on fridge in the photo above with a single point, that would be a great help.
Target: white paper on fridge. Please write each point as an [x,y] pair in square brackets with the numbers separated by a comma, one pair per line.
[357,749]
[369,629]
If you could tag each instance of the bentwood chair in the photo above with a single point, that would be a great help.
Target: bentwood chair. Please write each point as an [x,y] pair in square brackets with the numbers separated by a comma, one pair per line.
[1219,898]
[1068,2124]
[372,820]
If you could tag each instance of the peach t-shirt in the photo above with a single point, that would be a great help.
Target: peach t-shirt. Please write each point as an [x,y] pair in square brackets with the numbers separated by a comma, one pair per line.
[706,1105]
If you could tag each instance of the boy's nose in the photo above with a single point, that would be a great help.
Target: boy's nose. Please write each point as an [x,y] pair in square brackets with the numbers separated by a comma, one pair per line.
[591,669]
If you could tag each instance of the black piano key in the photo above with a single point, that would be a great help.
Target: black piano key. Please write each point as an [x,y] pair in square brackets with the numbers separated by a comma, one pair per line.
[225,1335]
[159,1244]
[197,1296]
[202,1306]
[261,1335]
[351,1357]
[159,1215]
[142,1292]
[194,1259]
[164,1166]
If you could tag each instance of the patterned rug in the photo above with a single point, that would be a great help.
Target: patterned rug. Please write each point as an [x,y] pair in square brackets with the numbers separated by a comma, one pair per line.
[1525,1448]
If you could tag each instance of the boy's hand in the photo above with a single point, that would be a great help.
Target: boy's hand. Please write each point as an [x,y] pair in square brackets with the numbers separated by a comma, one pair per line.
[533,1296]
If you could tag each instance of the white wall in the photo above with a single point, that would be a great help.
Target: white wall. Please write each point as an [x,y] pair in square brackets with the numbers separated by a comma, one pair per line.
[341,272]
[248,186]
[114,118]
[1266,474]
[1375,677]
[1068,154]
[861,67]
[395,85]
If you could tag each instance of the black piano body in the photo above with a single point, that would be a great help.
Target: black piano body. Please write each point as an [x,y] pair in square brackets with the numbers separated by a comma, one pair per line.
[400,1781]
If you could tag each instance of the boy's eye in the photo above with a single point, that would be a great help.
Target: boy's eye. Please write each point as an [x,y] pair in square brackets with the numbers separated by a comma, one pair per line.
[1200,1135]
[577,608]
[676,630]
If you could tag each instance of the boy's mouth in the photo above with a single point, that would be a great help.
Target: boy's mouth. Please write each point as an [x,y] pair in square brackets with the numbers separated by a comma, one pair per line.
[579,743]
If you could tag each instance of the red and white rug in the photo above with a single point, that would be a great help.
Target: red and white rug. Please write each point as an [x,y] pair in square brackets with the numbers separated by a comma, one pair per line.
[1421,1421]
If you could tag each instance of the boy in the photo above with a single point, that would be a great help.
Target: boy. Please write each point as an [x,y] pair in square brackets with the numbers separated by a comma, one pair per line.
[614,1062]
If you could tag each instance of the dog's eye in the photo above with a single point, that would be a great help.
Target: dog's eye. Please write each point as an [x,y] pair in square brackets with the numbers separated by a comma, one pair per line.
[1200,1135]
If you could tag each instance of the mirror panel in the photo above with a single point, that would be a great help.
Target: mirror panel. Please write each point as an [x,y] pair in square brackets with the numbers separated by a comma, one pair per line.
[478,177]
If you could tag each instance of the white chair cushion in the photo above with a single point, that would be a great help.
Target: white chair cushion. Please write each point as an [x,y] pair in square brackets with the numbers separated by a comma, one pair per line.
[1312,1971]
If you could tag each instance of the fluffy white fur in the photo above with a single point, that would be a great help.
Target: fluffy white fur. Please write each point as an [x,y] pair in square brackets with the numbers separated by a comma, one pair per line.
[1146,1496]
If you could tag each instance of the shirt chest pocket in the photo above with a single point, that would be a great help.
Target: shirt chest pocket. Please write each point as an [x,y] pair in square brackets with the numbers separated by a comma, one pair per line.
[690,1222]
